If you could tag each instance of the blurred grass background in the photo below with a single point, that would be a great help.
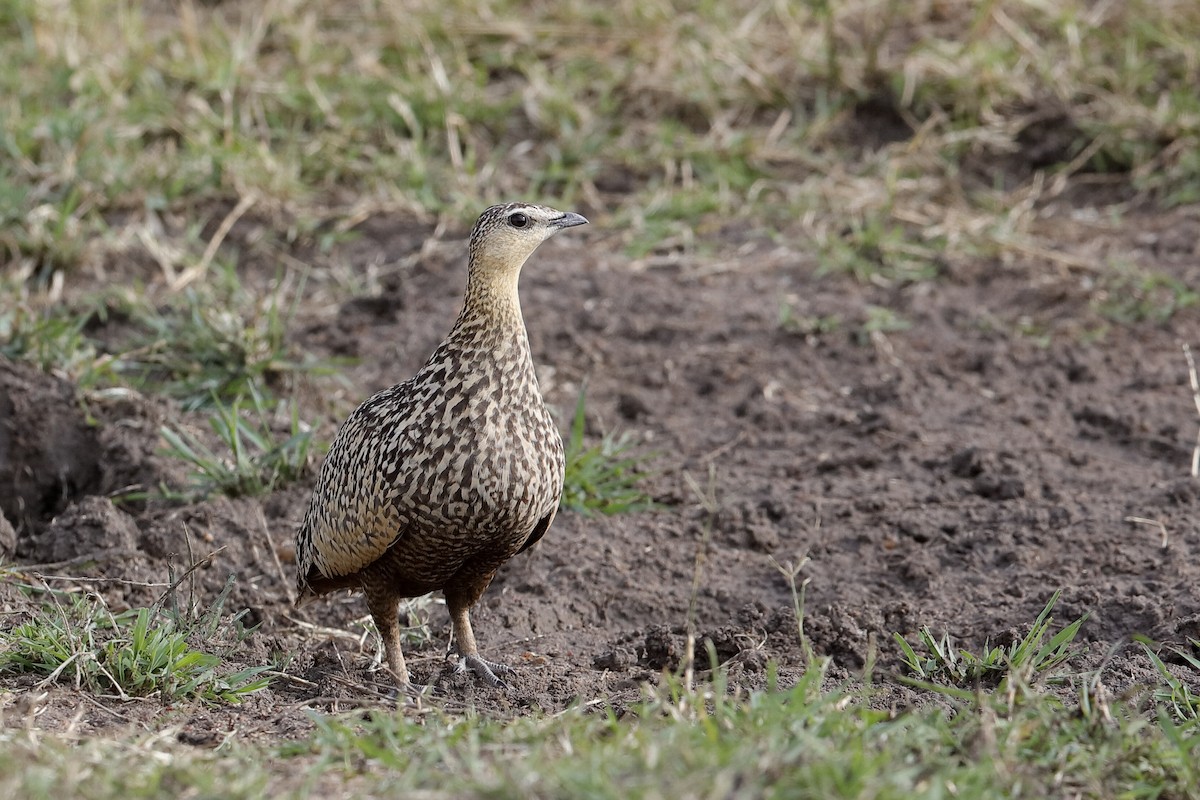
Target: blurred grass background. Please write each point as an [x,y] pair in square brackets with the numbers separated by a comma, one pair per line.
[870,130]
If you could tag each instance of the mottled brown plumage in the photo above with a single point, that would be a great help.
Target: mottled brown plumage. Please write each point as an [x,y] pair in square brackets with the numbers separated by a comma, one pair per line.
[434,483]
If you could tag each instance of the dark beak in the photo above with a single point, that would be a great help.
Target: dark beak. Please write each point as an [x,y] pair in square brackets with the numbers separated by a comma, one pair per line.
[568,220]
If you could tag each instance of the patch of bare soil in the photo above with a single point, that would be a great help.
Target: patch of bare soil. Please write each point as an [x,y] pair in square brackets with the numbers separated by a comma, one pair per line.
[953,472]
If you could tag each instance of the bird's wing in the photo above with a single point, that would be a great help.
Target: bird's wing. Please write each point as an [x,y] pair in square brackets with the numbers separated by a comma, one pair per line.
[361,538]
[539,530]
[353,517]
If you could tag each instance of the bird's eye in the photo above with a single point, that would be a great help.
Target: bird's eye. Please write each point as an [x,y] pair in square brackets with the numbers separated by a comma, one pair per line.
[518,220]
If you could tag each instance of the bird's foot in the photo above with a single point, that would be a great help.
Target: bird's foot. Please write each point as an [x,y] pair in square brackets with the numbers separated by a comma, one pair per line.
[410,695]
[486,670]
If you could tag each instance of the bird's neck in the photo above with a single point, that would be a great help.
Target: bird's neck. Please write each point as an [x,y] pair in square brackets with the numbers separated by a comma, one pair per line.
[491,318]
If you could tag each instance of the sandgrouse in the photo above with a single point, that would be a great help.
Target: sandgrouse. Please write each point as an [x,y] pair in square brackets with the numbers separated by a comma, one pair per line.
[434,483]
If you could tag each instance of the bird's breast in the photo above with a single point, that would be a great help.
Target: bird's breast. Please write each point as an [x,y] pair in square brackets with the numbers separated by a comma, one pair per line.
[488,457]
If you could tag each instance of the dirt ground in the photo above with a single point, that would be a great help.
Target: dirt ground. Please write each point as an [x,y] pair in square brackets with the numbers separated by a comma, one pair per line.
[952,472]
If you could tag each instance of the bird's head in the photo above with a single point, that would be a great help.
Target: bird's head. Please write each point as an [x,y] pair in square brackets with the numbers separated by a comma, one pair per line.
[506,235]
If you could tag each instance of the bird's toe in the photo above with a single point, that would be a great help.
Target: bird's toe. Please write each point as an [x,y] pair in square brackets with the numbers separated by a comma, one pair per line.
[486,670]
[410,695]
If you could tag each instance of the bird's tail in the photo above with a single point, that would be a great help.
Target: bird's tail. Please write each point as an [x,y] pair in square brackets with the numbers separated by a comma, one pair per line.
[314,584]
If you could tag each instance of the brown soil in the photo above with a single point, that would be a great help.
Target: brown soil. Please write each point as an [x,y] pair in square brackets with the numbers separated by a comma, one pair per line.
[953,473]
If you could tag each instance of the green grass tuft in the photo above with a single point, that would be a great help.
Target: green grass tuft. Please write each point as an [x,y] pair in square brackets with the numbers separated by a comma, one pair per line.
[253,460]
[603,477]
[54,342]
[215,343]
[136,653]
[1182,699]
[1035,655]
[1131,295]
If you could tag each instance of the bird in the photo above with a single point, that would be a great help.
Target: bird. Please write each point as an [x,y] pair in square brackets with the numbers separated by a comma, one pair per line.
[436,482]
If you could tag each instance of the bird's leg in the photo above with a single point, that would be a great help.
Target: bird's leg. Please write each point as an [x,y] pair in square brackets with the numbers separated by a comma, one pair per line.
[385,610]
[459,600]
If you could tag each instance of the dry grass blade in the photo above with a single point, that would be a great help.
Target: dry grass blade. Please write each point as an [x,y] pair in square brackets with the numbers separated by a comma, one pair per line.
[707,497]
[176,582]
[210,251]
[1195,384]
[1157,523]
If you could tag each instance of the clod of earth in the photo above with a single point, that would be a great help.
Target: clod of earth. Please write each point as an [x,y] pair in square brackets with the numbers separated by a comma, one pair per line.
[436,482]
[47,450]
[91,528]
